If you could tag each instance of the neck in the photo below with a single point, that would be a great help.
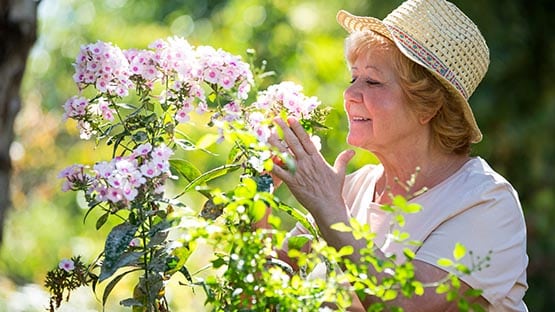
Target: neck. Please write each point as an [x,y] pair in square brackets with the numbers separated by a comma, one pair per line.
[429,168]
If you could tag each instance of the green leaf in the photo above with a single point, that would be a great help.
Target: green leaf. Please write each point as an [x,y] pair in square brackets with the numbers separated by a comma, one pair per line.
[131,302]
[399,201]
[459,251]
[185,168]
[210,175]
[102,220]
[389,294]
[247,189]
[341,227]
[290,163]
[297,242]
[126,259]
[345,251]
[298,216]
[409,253]
[473,292]
[462,268]
[442,288]
[207,140]
[218,262]
[412,208]
[140,136]
[418,288]
[185,144]
[234,154]
[186,273]
[125,105]
[113,284]
[182,254]
[258,210]
[387,208]
[91,207]
[444,262]
[400,219]
[157,239]
[117,243]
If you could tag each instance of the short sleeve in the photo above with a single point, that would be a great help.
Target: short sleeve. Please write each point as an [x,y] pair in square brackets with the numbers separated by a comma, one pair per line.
[493,228]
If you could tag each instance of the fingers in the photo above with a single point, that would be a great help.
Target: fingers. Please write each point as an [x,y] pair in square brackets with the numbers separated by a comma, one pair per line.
[275,141]
[296,137]
[281,171]
[342,160]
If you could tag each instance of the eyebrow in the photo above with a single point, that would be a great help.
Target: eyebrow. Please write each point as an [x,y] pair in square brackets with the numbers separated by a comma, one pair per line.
[368,67]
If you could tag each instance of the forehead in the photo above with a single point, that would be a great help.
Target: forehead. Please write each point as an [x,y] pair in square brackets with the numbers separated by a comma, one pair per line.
[363,43]
[375,60]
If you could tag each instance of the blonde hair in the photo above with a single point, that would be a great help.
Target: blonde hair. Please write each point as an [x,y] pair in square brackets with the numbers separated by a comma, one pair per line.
[427,96]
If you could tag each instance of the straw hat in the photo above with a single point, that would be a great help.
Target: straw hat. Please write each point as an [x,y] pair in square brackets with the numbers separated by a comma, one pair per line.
[439,36]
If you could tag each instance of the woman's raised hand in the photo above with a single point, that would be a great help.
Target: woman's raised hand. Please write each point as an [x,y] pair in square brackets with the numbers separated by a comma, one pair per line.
[314,183]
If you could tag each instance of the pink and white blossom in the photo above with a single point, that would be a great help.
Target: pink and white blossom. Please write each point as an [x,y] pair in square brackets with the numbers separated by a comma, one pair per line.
[105,66]
[66,265]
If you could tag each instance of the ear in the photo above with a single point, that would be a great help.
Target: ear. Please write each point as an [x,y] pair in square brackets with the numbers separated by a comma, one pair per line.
[425,117]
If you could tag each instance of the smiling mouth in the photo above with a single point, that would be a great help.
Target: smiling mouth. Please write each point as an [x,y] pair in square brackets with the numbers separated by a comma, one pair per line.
[358,118]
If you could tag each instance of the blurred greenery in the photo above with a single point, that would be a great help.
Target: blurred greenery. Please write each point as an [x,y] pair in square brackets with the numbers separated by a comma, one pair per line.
[514,106]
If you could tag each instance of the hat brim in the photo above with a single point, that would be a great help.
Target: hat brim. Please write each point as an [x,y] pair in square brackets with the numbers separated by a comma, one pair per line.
[353,23]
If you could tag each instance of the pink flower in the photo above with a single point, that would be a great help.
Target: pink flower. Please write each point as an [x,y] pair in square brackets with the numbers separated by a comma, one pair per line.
[76,107]
[135,242]
[289,96]
[75,178]
[162,153]
[150,170]
[142,149]
[114,194]
[103,65]
[66,265]
[85,130]
[129,192]
[142,63]
[232,111]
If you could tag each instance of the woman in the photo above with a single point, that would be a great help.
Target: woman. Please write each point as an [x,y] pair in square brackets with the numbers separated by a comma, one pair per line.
[412,74]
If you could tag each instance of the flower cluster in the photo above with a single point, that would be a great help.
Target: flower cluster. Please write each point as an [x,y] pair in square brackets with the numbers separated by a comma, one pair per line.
[121,179]
[182,70]
[105,66]
[287,97]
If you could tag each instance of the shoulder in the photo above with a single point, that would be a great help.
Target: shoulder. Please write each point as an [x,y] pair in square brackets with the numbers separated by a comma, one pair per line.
[479,178]
[480,209]
[475,184]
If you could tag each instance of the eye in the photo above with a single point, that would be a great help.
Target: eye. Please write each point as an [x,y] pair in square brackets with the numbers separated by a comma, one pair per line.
[370,82]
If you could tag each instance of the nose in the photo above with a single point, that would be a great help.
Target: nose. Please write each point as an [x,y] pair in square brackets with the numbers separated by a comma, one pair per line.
[352,95]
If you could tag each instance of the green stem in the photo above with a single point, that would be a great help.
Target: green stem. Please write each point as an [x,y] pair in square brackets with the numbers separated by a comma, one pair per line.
[146,257]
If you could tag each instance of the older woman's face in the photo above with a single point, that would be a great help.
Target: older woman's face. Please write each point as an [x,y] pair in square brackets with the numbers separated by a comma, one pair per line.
[379,117]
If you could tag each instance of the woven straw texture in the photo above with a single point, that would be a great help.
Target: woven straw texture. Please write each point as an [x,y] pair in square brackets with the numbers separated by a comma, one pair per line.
[439,36]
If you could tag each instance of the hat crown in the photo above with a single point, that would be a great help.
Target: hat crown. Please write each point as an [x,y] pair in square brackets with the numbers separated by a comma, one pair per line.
[439,36]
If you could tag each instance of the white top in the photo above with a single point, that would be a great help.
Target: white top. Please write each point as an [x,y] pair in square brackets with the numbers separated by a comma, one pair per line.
[476,207]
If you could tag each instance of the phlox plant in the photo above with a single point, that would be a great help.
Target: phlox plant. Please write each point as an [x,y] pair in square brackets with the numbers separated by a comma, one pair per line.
[137,102]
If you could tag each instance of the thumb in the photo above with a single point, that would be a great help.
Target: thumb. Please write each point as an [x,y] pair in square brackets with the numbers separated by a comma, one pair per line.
[342,160]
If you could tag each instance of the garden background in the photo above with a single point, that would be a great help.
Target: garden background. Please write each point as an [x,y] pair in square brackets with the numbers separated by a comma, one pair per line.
[514,106]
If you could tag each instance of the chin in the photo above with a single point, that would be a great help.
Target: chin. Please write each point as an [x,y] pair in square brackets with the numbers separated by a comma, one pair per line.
[354,142]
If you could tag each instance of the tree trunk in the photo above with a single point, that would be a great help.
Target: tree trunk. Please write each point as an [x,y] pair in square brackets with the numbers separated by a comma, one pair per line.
[18,31]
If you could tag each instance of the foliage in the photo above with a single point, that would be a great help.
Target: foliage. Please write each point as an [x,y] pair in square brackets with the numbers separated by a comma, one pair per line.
[171,81]
[155,234]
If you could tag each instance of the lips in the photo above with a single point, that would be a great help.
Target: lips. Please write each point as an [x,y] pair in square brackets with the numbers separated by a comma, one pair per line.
[359,118]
